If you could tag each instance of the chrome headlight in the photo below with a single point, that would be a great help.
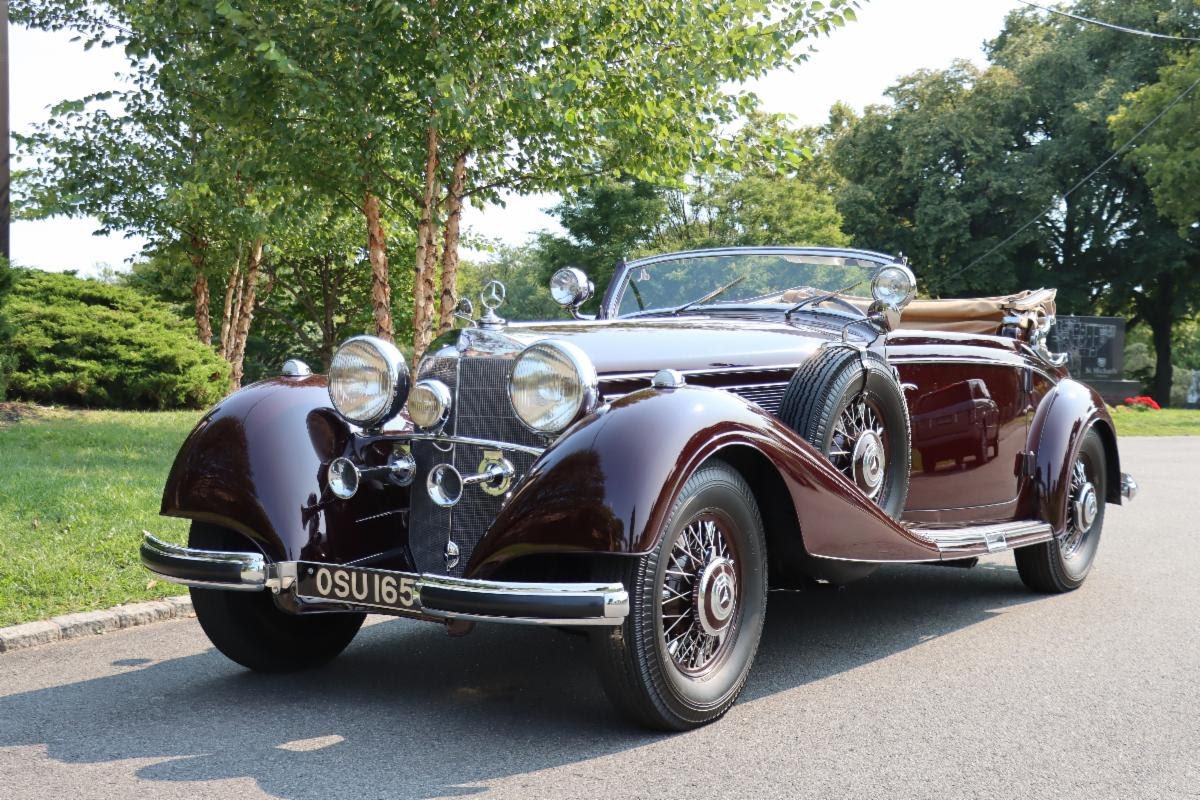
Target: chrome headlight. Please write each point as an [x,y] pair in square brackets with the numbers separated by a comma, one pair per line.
[368,380]
[552,385]
[429,404]
[894,286]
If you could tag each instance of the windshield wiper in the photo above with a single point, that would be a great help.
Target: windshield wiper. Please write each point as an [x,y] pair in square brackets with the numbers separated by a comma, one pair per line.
[710,296]
[820,298]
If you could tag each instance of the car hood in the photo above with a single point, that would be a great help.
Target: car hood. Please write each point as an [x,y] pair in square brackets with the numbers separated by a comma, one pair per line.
[648,345]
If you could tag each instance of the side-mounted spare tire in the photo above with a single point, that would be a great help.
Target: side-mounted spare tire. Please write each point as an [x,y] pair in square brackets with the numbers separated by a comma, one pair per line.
[850,406]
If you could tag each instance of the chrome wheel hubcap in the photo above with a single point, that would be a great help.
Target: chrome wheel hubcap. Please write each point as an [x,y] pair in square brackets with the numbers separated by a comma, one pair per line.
[1082,509]
[699,596]
[867,463]
[715,593]
[857,447]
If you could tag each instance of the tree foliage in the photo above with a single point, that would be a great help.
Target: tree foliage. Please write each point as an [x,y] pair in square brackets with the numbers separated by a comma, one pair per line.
[1169,154]
[961,158]
[413,109]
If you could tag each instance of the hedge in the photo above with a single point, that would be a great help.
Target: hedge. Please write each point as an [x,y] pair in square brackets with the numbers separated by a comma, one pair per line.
[82,342]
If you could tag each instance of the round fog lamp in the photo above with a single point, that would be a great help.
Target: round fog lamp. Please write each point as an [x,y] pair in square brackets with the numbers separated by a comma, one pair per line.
[429,404]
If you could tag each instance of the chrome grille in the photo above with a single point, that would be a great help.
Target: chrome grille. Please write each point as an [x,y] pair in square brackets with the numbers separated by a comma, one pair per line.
[481,409]
[767,396]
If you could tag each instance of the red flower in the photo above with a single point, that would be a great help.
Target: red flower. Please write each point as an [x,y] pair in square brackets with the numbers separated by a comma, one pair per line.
[1143,401]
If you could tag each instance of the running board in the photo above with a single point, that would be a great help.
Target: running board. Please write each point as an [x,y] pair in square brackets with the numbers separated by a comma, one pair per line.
[966,540]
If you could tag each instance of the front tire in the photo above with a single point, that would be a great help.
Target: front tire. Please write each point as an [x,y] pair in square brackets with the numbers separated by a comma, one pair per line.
[1062,564]
[697,605]
[248,628]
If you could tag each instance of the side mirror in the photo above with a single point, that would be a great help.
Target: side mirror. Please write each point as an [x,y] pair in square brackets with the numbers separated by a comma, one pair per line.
[466,311]
[570,287]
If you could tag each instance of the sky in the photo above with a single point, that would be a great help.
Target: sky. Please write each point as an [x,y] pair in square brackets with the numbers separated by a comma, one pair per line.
[855,64]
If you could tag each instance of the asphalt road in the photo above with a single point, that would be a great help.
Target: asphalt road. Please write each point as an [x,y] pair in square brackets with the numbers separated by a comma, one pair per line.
[918,682]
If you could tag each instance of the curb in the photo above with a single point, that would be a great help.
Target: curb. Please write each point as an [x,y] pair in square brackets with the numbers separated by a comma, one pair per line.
[89,623]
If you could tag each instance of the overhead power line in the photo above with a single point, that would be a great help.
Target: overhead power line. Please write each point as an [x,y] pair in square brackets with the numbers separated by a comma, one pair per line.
[1085,179]
[1112,26]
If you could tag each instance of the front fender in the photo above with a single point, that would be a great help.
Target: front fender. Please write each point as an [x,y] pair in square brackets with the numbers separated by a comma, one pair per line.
[255,464]
[608,484]
[1062,419]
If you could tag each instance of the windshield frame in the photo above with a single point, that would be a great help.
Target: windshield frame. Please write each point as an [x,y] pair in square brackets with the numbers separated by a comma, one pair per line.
[616,289]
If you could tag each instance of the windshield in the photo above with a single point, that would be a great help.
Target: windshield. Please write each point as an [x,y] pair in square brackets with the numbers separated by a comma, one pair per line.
[748,278]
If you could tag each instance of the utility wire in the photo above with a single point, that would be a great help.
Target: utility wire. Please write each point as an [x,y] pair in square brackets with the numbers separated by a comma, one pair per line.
[1084,180]
[1112,26]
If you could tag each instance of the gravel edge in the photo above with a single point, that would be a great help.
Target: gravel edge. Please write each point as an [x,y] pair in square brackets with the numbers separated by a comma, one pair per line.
[89,623]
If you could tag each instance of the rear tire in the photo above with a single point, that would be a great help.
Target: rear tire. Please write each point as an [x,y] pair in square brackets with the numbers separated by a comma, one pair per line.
[664,667]
[248,628]
[1062,564]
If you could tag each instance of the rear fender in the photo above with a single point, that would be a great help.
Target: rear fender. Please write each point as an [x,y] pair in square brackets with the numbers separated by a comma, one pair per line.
[256,464]
[1063,418]
[608,483]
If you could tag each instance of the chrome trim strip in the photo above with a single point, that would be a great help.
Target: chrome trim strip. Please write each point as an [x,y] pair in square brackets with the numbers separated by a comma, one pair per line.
[1019,362]
[994,538]
[158,555]
[633,376]
[449,439]
[1129,487]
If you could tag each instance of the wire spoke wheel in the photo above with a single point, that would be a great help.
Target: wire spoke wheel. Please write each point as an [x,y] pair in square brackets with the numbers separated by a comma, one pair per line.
[859,444]
[1081,510]
[700,594]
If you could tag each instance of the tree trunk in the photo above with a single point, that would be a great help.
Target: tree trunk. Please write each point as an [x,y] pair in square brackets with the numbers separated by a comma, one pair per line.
[381,289]
[227,312]
[1160,328]
[426,251]
[200,291]
[1160,316]
[237,357]
[200,295]
[454,203]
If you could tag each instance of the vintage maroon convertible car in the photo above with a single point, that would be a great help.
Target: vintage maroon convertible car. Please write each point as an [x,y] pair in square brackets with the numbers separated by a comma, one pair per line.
[730,420]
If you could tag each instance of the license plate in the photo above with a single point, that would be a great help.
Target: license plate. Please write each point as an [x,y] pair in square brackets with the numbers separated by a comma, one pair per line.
[361,587]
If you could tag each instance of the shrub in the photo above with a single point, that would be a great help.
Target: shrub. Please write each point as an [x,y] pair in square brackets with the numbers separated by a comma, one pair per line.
[83,342]
[6,360]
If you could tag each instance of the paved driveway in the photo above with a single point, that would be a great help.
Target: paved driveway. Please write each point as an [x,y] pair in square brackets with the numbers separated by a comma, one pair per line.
[918,682]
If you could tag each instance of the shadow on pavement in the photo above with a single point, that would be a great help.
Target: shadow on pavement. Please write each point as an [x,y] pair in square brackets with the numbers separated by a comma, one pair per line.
[411,712]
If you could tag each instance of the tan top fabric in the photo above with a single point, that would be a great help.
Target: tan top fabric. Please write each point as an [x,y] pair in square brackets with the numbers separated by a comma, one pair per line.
[977,315]
[967,315]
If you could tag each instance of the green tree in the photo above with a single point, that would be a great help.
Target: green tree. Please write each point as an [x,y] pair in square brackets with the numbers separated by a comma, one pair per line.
[441,103]
[1169,153]
[962,157]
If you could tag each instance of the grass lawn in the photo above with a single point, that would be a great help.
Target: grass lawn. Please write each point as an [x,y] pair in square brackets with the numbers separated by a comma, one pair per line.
[78,489]
[1167,422]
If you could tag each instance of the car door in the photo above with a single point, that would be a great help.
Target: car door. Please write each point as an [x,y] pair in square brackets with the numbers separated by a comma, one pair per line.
[970,412]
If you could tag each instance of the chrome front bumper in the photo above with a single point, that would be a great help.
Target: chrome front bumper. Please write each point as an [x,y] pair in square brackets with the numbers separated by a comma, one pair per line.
[438,596]
[1129,487]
